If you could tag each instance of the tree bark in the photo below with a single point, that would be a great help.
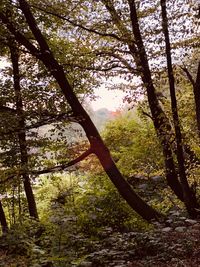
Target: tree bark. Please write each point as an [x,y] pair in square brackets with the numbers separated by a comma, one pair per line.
[196,90]
[189,198]
[3,221]
[22,134]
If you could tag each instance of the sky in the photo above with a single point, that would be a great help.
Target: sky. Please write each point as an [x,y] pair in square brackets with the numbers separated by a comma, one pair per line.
[110,99]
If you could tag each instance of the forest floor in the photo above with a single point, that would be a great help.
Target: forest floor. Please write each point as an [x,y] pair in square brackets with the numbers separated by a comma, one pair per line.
[176,245]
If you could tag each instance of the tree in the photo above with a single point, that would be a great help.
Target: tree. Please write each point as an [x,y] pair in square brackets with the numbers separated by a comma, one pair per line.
[3,221]
[44,53]
[160,121]
[189,198]
[19,123]
[135,44]
[22,133]
[196,91]
[126,55]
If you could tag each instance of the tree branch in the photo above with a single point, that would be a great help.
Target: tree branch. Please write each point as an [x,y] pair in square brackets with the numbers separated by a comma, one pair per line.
[51,118]
[97,68]
[64,166]
[189,76]
[7,110]
[147,114]
[127,36]
[75,24]
[120,58]
[19,37]
[58,168]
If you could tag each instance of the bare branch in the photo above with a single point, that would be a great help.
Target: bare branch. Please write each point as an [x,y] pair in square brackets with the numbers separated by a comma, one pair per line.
[75,24]
[147,114]
[97,68]
[50,118]
[189,76]
[63,167]
[120,58]
[58,168]
[7,110]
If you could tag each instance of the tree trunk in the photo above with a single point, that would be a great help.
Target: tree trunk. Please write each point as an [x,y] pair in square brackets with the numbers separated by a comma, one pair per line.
[189,198]
[122,186]
[22,134]
[3,221]
[196,90]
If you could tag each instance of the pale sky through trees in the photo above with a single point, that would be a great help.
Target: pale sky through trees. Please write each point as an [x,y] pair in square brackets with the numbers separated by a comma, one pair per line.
[110,99]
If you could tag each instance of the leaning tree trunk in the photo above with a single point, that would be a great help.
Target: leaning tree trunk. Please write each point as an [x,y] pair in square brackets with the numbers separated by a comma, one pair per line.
[4,225]
[97,145]
[189,198]
[22,134]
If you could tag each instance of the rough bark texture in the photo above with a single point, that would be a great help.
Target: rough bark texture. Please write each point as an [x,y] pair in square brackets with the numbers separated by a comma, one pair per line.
[189,198]
[22,135]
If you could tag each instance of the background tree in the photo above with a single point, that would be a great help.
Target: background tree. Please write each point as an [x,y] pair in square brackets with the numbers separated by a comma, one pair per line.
[189,198]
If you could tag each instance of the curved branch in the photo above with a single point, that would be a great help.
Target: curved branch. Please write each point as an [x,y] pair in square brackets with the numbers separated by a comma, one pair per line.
[75,24]
[188,74]
[120,58]
[64,166]
[57,168]
[50,118]
[19,36]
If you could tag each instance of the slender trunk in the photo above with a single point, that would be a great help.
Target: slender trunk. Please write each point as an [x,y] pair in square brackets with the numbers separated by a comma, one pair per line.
[3,221]
[19,202]
[160,120]
[13,205]
[22,134]
[189,198]
[196,90]
[92,134]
